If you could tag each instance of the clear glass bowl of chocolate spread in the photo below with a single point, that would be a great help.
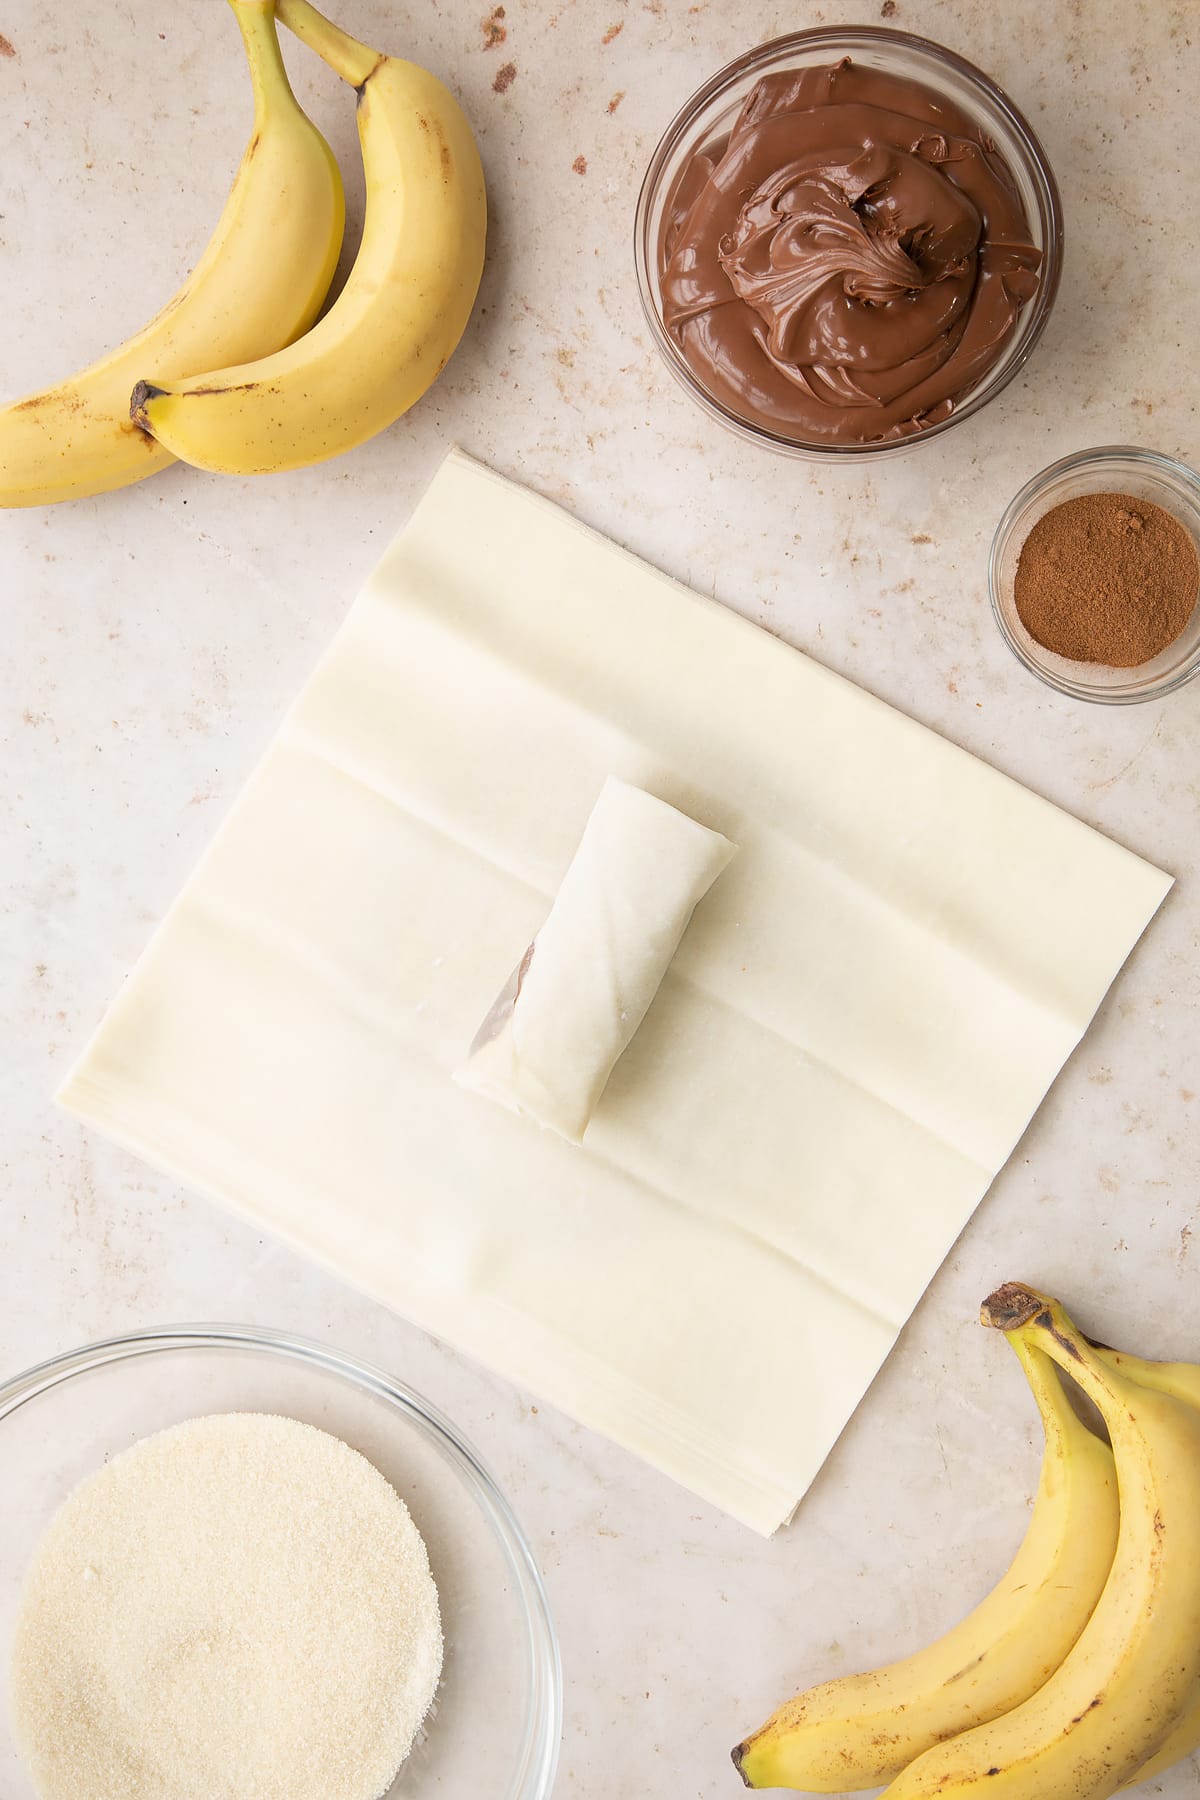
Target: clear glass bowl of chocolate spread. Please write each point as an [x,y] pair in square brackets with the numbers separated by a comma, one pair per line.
[847,241]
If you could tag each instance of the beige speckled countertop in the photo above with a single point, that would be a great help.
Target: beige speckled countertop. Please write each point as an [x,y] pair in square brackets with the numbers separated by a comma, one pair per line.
[154,636]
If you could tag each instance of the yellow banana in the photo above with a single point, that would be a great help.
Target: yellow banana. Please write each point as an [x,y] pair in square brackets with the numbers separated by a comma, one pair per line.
[1183,1381]
[259,284]
[1135,1670]
[403,310]
[861,1730]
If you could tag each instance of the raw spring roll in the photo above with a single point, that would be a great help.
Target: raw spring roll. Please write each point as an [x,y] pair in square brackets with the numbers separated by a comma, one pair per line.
[582,988]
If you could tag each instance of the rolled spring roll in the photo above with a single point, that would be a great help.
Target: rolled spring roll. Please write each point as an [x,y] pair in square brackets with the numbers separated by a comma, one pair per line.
[582,988]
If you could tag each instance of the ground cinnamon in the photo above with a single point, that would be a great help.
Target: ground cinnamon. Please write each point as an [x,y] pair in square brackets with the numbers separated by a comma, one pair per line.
[1107,578]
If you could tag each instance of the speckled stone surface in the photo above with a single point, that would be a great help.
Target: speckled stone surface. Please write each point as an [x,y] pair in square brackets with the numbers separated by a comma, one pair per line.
[153,637]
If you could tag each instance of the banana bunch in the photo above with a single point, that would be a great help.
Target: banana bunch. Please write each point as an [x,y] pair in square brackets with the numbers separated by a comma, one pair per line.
[237,373]
[1080,1673]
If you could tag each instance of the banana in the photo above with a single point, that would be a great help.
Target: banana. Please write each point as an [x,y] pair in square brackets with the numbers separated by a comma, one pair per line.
[260,283]
[1183,1381]
[1135,1669]
[860,1731]
[403,310]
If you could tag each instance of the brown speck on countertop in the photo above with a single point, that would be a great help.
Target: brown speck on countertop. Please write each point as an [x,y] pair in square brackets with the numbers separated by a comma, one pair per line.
[615,101]
[614,31]
[505,77]
[493,28]
[580,165]
[888,9]
[921,537]
[566,357]
[7,49]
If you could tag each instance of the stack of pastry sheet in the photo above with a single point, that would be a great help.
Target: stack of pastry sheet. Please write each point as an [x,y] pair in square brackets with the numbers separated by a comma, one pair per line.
[864,1012]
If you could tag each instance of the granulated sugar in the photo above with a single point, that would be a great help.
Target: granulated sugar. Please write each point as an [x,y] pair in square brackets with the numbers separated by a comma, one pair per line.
[239,1608]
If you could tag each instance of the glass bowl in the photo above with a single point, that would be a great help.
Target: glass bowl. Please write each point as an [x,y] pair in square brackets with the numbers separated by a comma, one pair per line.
[495,1727]
[711,112]
[1113,469]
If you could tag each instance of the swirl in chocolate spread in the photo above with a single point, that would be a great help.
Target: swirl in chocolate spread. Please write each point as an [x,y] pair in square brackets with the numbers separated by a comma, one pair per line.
[850,261]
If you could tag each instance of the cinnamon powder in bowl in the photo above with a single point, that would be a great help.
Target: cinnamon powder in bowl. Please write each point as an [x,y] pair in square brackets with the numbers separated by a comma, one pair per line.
[1095,575]
[1106,578]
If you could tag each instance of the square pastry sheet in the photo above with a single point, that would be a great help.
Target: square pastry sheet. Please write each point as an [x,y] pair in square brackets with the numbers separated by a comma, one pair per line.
[864,1013]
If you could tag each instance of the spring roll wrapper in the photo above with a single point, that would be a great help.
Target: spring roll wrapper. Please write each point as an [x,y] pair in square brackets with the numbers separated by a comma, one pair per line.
[855,1030]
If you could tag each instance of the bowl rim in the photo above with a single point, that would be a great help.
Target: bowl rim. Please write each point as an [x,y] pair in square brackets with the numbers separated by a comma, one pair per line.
[831,36]
[534,1776]
[1100,456]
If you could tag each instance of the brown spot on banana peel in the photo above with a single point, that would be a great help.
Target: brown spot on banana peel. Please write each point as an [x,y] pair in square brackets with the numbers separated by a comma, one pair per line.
[967,1668]
[361,89]
[736,1755]
[237,387]
[1046,1324]
[444,152]
[145,391]
[56,402]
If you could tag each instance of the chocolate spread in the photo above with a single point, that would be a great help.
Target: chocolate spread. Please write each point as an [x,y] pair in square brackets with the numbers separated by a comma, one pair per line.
[849,262]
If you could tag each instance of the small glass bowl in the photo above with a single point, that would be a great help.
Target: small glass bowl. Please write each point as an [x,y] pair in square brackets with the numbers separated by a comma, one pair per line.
[497,1717]
[711,112]
[1113,469]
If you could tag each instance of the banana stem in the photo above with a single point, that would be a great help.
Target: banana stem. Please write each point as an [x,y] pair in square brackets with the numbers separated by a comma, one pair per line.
[256,22]
[1026,1316]
[1011,1306]
[1058,1415]
[353,61]
[268,78]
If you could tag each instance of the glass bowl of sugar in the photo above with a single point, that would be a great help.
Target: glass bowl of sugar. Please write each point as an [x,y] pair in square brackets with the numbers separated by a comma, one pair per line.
[495,1723]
